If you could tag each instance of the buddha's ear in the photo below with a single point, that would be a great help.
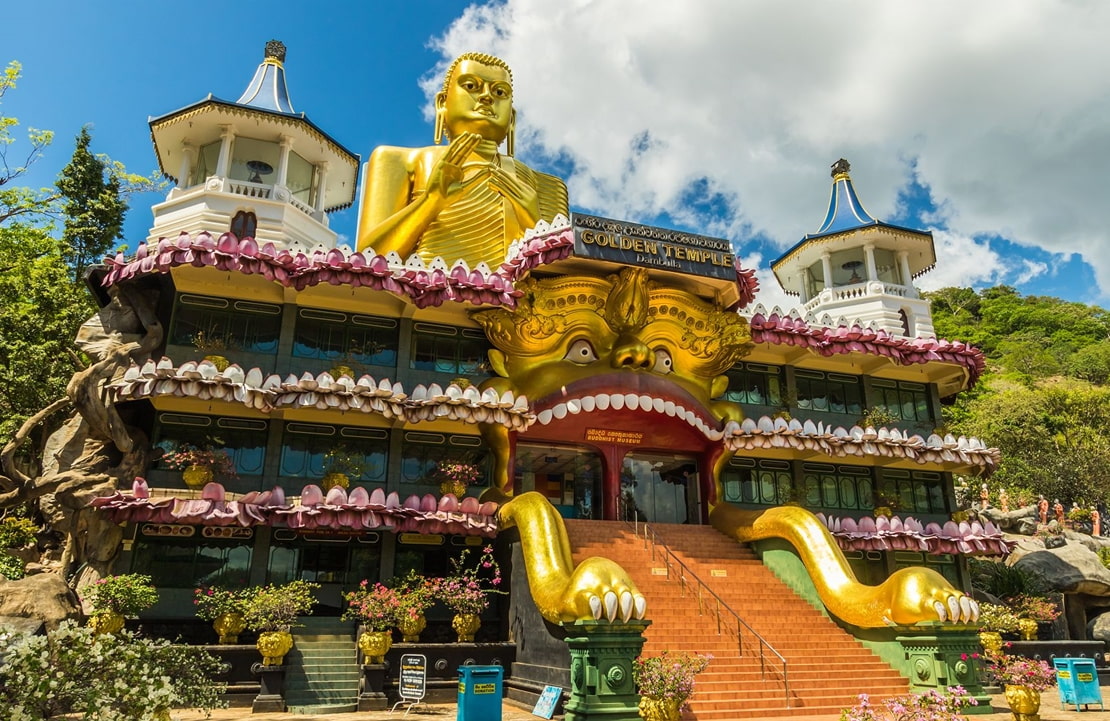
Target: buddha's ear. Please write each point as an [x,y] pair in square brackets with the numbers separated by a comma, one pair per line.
[441,110]
[510,139]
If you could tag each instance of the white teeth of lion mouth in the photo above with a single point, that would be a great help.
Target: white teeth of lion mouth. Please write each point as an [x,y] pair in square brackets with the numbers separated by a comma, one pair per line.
[633,402]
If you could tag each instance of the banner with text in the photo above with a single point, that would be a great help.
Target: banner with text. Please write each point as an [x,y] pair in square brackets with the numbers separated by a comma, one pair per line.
[649,247]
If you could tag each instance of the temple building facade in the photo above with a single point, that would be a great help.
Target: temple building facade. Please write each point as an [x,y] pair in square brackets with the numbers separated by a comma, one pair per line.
[603,372]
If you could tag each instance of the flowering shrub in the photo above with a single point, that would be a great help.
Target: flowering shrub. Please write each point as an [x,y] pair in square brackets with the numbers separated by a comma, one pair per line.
[415,594]
[1020,671]
[929,706]
[376,607]
[214,602]
[463,590]
[458,472]
[218,461]
[668,676]
[999,619]
[275,608]
[347,461]
[126,594]
[1037,608]
[16,532]
[11,568]
[106,677]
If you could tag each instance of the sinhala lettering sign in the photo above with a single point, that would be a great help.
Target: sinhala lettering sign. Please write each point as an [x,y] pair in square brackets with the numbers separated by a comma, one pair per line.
[649,247]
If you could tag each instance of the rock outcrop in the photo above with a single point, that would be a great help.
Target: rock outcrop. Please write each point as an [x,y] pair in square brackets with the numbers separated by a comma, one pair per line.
[42,596]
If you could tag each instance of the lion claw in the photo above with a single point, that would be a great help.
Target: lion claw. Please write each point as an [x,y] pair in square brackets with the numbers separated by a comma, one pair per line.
[595,606]
[942,612]
[641,606]
[610,605]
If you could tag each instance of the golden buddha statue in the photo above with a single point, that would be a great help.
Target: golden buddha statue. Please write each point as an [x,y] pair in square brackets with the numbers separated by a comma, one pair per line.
[466,199]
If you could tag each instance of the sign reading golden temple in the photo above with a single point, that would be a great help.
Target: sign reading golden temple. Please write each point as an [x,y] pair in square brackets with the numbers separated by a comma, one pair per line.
[649,247]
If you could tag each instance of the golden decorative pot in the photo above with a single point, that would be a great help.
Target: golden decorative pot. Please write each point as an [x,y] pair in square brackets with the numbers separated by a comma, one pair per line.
[883,512]
[219,361]
[332,480]
[197,476]
[653,708]
[466,625]
[411,626]
[106,622]
[375,645]
[456,488]
[339,371]
[991,641]
[273,645]
[1024,702]
[1028,629]
[229,626]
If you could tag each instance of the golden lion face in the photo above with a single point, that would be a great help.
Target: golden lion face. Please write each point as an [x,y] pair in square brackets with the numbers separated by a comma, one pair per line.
[585,344]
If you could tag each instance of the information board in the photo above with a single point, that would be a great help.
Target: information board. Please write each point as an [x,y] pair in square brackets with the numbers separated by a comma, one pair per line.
[549,699]
[414,675]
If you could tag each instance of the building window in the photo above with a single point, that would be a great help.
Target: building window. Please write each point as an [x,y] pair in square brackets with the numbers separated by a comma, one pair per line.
[244,224]
[300,178]
[755,384]
[906,401]
[837,487]
[828,392]
[208,322]
[323,559]
[913,491]
[254,160]
[421,454]
[205,167]
[243,439]
[175,562]
[446,349]
[345,339]
[570,476]
[764,483]
[304,447]
[942,563]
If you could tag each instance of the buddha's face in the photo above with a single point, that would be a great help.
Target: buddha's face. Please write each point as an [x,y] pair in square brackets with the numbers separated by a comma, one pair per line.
[479,99]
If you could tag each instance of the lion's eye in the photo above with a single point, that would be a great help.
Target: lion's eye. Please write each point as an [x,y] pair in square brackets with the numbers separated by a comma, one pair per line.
[663,362]
[581,352]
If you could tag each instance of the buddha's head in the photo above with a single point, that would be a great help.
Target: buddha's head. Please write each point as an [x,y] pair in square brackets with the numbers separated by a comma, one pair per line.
[477,97]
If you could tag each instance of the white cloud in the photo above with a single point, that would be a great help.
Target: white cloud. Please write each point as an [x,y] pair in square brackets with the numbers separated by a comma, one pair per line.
[963,261]
[999,107]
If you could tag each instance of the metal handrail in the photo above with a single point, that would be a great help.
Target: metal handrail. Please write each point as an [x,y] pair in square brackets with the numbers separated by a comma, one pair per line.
[701,587]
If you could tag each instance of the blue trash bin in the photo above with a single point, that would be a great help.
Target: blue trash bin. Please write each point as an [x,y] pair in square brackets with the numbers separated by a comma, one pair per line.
[1077,682]
[479,693]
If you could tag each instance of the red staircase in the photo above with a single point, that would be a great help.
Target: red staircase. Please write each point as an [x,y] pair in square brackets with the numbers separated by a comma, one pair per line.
[826,667]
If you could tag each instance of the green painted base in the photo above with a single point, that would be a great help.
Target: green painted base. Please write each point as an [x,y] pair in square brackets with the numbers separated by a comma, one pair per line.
[940,656]
[601,656]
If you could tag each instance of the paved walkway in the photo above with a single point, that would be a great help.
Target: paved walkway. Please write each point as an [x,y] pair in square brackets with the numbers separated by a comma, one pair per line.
[1050,711]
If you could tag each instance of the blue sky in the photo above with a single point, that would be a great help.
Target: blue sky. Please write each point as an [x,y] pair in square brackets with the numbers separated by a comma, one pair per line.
[985,123]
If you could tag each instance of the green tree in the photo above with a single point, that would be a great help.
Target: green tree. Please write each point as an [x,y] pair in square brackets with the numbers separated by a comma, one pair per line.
[92,204]
[16,202]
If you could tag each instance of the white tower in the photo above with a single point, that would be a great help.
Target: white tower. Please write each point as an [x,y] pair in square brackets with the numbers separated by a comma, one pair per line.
[253,167]
[859,268]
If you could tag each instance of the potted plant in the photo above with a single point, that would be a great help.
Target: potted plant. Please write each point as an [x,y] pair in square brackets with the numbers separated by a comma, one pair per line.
[415,595]
[376,608]
[455,476]
[341,464]
[114,598]
[213,344]
[995,620]
[666,682]
[932,705]
[463,592]
[1023,679]
[200,466]
[886,503]
[1032,611]
[224,609]
[273,611]
[877,417]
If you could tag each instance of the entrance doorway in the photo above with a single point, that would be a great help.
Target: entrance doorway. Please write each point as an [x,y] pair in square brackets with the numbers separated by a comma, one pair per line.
[659,487]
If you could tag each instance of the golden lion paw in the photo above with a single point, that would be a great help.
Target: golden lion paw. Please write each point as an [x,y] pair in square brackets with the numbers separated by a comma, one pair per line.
[599,588]
[920,594]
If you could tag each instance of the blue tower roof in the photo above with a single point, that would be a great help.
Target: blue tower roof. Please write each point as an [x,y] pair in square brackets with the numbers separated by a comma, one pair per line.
[267,89]
[845,210]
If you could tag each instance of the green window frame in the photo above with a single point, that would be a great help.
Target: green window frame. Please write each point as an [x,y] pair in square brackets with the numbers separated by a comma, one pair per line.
[828,392]
[305,445]
[326,559]
[755,384]
[192,560]
[764,483]
[904,400]
[422,452]
[244,439]
[345,338]
[240,325]
[447,349]
[838,486]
